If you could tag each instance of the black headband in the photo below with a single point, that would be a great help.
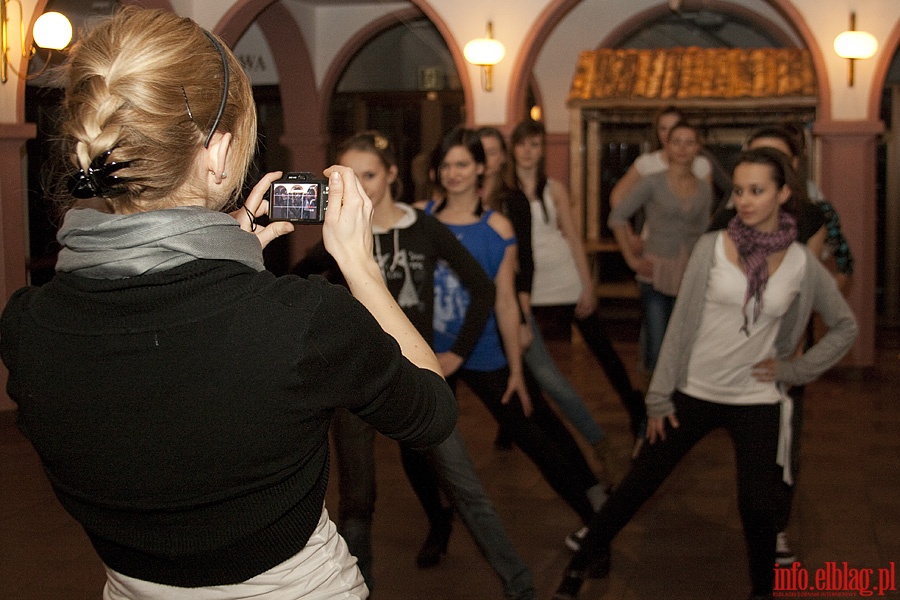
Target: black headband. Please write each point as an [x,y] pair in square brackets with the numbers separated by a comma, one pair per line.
[224,90]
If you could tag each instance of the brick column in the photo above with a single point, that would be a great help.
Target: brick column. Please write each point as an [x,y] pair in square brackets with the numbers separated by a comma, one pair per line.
[847,177]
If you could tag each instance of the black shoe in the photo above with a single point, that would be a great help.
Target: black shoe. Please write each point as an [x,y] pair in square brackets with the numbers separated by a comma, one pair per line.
[435,545]
[570,586]
[574,579]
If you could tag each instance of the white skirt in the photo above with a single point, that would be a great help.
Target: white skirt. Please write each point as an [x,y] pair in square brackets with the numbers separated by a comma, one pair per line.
[323,570]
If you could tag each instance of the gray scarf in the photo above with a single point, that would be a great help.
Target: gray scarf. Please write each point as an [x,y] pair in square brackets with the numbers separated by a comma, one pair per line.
[99,245]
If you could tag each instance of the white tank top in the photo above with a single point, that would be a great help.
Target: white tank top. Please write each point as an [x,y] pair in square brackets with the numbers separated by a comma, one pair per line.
[556,279]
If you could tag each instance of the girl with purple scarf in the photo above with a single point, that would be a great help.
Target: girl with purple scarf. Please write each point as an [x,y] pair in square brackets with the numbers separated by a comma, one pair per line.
[726,361]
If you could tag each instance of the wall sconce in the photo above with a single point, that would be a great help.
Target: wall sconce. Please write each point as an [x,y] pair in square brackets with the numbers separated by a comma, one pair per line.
[52,31]
[485,52]
[854,45]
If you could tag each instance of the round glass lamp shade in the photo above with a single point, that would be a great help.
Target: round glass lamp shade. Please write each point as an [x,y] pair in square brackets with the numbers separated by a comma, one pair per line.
[484,51]
[52,31]
[855,44]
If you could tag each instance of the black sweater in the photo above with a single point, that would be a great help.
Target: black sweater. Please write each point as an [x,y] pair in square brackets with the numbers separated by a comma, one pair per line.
[407,256]
[182,417]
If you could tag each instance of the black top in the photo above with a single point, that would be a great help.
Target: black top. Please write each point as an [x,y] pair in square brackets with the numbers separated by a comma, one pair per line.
[182,417]
[407,256]
[514,204]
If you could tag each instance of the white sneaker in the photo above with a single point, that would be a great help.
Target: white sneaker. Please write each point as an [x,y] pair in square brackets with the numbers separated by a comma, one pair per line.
[783,555]
[574,539]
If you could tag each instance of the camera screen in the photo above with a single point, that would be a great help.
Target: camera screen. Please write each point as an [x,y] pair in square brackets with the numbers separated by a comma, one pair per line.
[295,201]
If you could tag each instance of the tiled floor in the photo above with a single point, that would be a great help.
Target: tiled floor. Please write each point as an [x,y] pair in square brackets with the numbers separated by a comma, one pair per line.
[684,544]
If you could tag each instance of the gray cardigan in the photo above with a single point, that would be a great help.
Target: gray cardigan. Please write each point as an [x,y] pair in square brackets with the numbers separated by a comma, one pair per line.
[818,292]
[671,227]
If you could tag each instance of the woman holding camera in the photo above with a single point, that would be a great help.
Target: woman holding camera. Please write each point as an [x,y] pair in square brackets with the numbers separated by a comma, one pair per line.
[177,393]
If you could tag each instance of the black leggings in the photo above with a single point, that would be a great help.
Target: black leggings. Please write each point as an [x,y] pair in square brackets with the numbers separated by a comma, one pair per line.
[597,339]
[542,436]
[558,319]
[754,433]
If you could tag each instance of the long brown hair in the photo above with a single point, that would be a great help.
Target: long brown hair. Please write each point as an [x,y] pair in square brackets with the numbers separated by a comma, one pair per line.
[524,130]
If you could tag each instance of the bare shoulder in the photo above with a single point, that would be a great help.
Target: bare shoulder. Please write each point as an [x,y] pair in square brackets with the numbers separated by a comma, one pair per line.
[420,204]
[558,189]
[560,195]
[501,225]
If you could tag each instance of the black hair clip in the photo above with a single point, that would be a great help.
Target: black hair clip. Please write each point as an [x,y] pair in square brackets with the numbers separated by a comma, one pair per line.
[99,179]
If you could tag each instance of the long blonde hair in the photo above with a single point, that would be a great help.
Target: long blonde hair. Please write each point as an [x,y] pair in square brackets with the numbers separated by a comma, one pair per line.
[143,88]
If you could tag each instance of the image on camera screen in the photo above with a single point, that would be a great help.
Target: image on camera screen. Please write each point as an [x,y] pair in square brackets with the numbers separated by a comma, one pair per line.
[295,202]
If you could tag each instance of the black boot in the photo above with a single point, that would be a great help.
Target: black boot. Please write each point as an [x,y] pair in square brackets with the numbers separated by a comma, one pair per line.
[435,545]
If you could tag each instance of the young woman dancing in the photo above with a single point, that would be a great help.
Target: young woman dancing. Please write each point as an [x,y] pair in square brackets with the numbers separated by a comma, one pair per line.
[726,360]
[408,244]
[562,281]
[677,205]
[494,369]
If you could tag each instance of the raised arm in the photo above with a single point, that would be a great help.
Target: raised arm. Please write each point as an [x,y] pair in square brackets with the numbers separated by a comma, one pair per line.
[347,235]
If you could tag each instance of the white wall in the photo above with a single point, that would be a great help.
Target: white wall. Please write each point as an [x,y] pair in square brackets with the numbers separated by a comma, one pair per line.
[327,28]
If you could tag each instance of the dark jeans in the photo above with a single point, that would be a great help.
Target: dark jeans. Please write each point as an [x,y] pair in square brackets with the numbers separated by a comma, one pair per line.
[354,452]
[754,433]
[657,310]
[542,436]
[592,329]
[453,471]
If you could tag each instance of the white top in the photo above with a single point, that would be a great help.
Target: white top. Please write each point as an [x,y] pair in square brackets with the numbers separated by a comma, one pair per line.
[556,279]
[722,358]
[323,569]
[654,162]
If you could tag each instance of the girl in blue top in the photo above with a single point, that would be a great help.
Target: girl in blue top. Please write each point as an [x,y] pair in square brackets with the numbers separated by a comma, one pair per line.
[494,369]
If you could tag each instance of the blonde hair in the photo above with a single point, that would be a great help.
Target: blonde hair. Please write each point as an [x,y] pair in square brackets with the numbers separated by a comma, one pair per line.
[145,86]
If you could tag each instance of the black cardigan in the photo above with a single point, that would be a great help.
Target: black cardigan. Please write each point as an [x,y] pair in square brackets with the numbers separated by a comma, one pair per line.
[182,417]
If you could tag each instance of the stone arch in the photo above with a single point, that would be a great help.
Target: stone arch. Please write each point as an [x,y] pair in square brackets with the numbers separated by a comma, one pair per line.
[556,10]
[625,28]
[890,47]
[300,101]
[348,51]
[340,62]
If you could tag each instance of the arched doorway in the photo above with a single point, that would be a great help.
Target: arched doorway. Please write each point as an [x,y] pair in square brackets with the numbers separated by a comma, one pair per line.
[402,81]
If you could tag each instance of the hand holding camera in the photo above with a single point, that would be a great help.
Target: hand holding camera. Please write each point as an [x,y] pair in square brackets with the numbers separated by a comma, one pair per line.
[255,208]
[347,233]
